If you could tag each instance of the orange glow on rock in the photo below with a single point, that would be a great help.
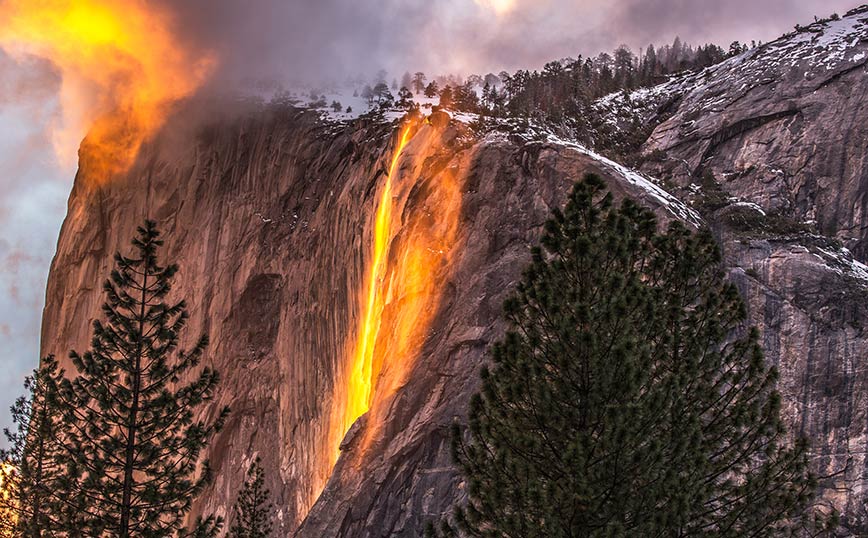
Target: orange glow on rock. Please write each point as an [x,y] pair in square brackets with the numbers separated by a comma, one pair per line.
[362,373]
[7,503]
[415,231]
[121,68]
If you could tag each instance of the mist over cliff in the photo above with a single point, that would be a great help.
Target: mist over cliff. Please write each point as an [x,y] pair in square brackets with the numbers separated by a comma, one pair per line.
[272,214]
[335,39]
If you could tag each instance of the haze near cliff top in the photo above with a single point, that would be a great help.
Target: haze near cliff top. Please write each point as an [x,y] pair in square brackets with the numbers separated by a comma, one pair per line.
[340,38]
[351,192]
[52,92]
[46,104]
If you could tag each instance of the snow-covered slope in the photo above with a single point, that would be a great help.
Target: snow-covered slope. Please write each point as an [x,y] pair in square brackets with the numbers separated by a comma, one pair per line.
[782,126]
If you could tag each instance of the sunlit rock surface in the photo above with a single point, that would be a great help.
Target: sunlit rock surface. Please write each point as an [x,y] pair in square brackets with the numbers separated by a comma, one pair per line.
[270,216]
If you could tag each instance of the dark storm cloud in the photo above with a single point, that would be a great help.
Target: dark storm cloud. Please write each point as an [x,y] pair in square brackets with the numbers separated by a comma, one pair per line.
[647,21]
[261,39]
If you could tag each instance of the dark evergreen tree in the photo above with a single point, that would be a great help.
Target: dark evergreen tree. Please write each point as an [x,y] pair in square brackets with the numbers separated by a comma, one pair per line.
[418,82]
[736,48]
[624,63]
[135,444]
[628,398]
[488,97]
[383,95]
[563,94]
[432,90]
[208,527]
[446,97]
[253,509]
[405,99]
[464,98]
[649,65]
[33,498]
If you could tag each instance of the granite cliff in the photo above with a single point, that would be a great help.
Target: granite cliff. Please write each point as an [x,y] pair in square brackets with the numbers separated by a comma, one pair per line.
[272,214]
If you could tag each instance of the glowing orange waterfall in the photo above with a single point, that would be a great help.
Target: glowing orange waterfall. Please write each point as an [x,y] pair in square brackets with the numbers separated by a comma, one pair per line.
[362,373]
[412,247]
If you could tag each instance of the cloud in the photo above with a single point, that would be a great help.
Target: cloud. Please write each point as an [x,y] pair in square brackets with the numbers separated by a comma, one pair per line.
[295,40]
[301,40]
[27,80]
[33,189]
[647,21]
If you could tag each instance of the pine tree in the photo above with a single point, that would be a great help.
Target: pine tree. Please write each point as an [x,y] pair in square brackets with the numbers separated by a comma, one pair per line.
[32,501]
[383,95]
[446,97]
[418,82]
[134,443]
[405,99]
[627,399]
[253,508]
[432,90]
[207,527]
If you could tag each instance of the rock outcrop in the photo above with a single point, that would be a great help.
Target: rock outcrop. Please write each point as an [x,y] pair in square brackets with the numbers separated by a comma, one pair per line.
[270,216]
[770,147]
[781,125]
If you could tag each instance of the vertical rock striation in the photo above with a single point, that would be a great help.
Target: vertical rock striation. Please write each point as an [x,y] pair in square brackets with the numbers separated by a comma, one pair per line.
[271,216]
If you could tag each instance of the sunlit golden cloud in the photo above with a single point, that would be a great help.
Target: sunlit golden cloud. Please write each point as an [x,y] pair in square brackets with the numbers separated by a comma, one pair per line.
[121,67]
[500,7]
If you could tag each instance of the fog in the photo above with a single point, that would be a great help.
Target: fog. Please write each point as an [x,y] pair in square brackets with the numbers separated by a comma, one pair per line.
[334,39]
[312,41]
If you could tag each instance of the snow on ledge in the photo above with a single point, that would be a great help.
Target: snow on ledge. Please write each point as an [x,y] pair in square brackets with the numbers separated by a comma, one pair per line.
[675,206]
[843,263]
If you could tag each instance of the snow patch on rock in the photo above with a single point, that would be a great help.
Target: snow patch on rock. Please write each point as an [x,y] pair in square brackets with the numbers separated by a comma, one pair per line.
[841,261]
[675,206]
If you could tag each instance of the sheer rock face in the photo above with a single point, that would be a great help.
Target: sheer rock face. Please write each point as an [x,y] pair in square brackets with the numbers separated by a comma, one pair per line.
[271,216]
[248,215]
[783,126]
[811,310]
[770,146]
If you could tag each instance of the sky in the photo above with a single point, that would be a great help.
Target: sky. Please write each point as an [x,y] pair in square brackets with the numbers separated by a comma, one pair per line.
[300,40]
[264,38]
[33,191]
